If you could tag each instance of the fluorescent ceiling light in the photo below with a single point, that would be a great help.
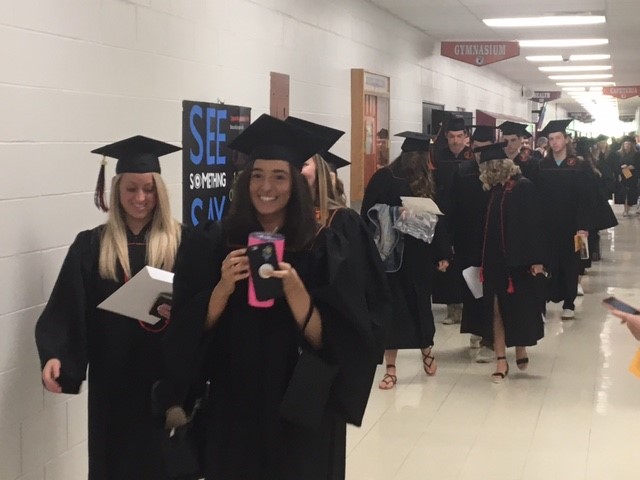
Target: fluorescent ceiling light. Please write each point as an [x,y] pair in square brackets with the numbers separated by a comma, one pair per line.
[547,21]
[572,58]
[585,84]
[576,68]
[562,42]
[591,76]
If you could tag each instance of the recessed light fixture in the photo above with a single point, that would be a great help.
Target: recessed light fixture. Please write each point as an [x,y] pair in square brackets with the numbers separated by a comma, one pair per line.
[563,42]
[585,84]
[547,21]
[572,58]
[576,68]
[591,76]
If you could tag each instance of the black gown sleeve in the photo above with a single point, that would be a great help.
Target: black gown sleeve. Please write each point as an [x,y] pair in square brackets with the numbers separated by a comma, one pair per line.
[526,241]
[61,330]
[354,302]
[375,192]
[184,343]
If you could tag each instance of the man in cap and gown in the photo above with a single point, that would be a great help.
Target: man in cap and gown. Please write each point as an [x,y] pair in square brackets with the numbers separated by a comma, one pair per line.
[514,134]
[566,205]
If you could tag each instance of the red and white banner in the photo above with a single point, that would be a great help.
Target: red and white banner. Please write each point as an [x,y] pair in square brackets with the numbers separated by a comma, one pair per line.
[622,92]
[480,53]
[539,96]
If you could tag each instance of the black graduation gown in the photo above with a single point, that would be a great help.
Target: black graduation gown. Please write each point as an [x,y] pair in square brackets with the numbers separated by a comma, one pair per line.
[511,246]
[123,356]
[627,188]
[251,353]
[448,285]
[412,325]
[466,223]
[566,208]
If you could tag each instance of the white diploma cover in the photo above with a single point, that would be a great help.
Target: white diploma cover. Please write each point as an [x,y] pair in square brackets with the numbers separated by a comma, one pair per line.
[472,277]
[137,296]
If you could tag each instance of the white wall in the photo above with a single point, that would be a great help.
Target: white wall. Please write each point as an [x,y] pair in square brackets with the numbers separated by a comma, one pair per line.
[79,73]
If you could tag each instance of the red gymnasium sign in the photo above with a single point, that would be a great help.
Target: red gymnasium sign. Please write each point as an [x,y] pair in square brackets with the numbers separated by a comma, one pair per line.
[622,92]
[480,53]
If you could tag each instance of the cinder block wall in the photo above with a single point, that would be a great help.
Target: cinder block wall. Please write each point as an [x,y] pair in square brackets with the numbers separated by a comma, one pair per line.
[80,73]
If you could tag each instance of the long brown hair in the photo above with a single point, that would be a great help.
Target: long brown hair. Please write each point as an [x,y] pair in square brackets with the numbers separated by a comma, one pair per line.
[412,166]
[300,224]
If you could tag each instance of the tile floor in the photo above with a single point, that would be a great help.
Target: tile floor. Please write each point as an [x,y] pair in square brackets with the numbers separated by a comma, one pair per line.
[574,415]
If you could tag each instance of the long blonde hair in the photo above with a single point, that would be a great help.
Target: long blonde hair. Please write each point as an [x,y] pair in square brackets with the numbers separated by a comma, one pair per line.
[162,240]
[498,171]
[324,195]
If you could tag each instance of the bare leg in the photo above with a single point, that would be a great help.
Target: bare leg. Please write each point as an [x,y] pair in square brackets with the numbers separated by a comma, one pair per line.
[522,360]
[429,364]
[499,344]
[389,380]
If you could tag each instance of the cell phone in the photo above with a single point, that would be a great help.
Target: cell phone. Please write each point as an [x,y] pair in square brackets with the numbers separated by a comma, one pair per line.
[613,302]
[262,261]
[163,298]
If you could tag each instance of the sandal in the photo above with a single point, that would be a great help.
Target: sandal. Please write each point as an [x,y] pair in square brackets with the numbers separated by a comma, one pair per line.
[429,364]
[388,381]
[522,362]
[499,377]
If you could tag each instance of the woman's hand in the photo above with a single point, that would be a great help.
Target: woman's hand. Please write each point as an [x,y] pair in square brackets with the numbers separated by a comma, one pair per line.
[443,265]
[51,373]
[164,311]
[536,269]
[291,283]
[632,321]
[235,267]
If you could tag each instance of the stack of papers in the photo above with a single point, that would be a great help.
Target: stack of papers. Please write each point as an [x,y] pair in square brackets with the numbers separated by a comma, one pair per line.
[137,296]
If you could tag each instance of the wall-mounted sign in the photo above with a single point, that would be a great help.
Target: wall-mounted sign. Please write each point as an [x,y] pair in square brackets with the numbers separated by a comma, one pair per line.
[208,165]
[542,96]
[480,53]
[622,92]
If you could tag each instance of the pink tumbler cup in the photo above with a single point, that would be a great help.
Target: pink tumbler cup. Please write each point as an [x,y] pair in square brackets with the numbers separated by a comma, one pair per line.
[256,238]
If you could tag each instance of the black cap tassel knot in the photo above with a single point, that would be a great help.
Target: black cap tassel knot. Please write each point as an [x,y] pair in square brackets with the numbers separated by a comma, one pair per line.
[98,196]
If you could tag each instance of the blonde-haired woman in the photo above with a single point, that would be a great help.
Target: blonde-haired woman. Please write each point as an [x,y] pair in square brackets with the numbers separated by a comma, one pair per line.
[123,354]
[512,258]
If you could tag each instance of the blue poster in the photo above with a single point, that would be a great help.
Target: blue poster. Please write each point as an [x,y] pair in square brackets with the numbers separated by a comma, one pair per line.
[209,167]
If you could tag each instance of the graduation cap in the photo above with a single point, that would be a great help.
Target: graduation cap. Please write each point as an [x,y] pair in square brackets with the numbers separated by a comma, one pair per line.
[269,138]
[628,138]
[334,161]
[484,133]
[495,151]
[455,124]
[414,141]
[556,126]
[513,128]
[137,154]
[330,135]
[602,138]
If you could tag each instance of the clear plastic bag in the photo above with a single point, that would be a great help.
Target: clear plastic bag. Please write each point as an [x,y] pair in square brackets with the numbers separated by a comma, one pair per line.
[418,224]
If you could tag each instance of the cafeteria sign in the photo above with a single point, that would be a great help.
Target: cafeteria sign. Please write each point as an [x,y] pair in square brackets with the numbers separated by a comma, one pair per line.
[480,53]
[622,92]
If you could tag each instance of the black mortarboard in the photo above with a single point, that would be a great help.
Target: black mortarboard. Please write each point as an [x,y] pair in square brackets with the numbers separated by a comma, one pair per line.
[513,128]
[137,154]
[484,133]
[495,151]
[330,135]
[556,126]
[526,134]
[269,138]
[334,161]
[414,141]
[455,124]
[628,138]
[602,138]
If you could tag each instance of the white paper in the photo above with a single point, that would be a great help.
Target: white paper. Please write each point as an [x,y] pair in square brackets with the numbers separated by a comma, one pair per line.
[136,297]
[472,277]
[421,204]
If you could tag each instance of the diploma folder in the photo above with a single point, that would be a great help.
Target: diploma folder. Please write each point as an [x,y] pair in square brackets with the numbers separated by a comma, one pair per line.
[137,296]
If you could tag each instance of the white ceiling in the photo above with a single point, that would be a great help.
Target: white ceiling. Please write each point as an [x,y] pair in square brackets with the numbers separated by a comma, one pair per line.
[462,20]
